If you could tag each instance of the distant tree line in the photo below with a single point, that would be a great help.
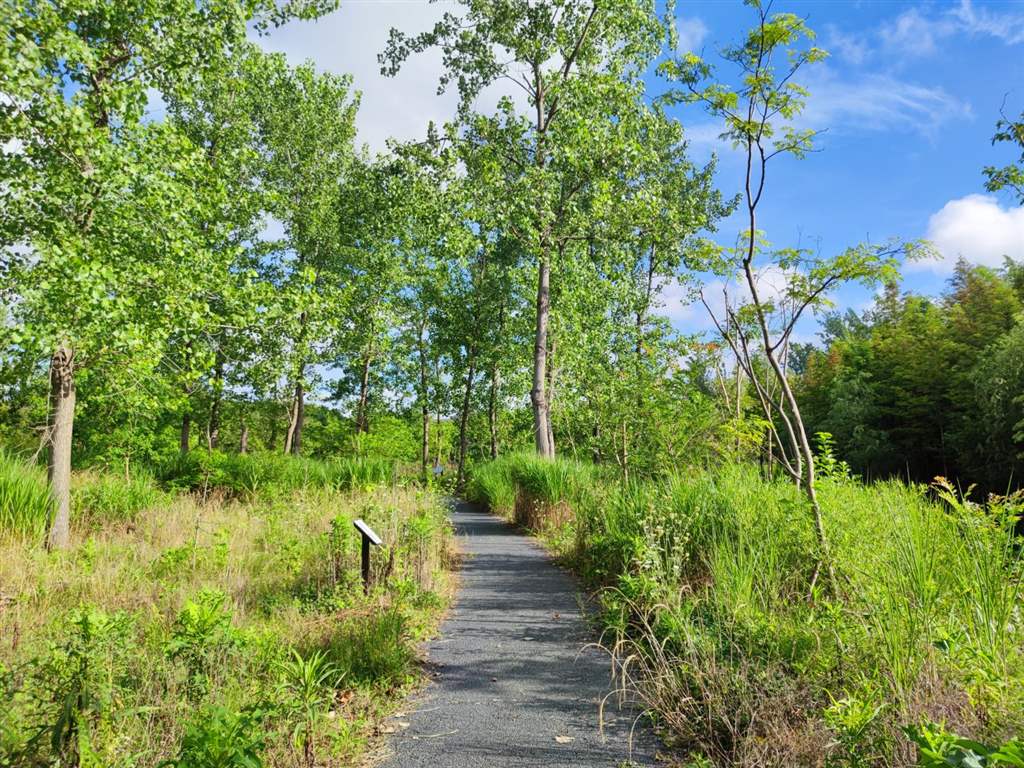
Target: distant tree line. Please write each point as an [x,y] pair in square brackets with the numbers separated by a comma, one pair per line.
[918,387]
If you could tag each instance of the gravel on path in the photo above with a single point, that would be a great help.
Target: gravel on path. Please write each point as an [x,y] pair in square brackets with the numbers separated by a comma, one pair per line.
[514,684]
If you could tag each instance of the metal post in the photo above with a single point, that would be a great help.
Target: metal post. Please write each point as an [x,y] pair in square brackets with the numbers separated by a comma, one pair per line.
[369,537]
[366,564]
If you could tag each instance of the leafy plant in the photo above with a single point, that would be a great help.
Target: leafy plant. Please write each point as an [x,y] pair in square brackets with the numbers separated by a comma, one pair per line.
[307,688]
[201,635]
[80,684]
[223,738]
[938,748]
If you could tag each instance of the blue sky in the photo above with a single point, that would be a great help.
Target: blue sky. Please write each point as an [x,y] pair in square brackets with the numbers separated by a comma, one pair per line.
[909,98]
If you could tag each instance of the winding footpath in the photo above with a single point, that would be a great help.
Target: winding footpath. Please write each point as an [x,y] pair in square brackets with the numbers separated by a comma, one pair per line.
[513,684]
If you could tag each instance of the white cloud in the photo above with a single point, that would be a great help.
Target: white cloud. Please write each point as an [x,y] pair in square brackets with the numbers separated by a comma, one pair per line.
[916,34]
[862,104]
[977,228]
[348,41]
[692,32]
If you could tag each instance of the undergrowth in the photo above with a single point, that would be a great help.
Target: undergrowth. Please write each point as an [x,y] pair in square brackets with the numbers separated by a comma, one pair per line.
[712,624]
[213,632]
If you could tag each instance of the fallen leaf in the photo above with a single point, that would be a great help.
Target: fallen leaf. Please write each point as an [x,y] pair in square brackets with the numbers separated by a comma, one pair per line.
[563,739]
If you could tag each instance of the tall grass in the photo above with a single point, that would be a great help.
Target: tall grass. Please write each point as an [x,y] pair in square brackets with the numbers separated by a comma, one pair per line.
[712,621]
[184,636]
[268,474]
[25,502]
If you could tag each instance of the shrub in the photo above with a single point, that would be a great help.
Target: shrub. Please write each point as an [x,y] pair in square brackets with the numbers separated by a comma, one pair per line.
[271,474]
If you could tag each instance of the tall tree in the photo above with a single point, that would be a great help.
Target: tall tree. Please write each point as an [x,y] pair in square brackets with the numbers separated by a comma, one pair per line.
[576,62]
[100,204]
[307,132]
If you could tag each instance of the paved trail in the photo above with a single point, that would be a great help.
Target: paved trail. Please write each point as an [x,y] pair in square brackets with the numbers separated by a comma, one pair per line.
[512,687]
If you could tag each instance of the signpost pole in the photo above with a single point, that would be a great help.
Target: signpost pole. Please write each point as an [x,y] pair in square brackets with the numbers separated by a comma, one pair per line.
[369,538]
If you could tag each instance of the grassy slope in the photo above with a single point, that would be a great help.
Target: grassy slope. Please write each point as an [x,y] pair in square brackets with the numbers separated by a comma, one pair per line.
[711,622]
[170,628]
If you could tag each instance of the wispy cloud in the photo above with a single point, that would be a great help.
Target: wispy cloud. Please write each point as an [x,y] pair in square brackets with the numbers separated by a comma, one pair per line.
[916,33]
[692,32]
[1006,26]
[853,48]
[878,102]
[919,31]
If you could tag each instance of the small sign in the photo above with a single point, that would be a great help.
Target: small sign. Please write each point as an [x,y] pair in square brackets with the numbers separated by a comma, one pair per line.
[368,532]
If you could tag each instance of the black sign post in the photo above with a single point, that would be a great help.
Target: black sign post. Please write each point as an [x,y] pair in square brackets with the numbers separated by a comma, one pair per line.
[369,537]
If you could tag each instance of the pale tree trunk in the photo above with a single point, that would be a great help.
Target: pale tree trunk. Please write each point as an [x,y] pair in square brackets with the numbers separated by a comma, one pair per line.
[293,440]
[243,438]
[362,417]
[550,395]
[799,434]
[538,395]
[424,402]
[492,410]
[460,475]
[62,405]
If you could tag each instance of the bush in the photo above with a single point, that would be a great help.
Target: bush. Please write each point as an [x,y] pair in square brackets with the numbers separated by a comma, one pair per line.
[223,738]
[25,502]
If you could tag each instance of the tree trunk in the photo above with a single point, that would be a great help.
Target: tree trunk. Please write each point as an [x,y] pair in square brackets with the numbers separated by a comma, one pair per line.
[62,405]
[538,395]
[243,439]
[492,410]
[293,440]
[460,475]
[550,396]
[186,431]
[362,417]
[424,403]
[213,425]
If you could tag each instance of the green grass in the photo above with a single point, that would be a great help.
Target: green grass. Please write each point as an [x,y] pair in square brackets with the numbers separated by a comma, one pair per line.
[25,502]
[267,474]
[713,623]
[98,498]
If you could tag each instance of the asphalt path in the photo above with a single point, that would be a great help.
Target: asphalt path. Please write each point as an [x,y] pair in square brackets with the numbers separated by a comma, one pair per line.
[513,682]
